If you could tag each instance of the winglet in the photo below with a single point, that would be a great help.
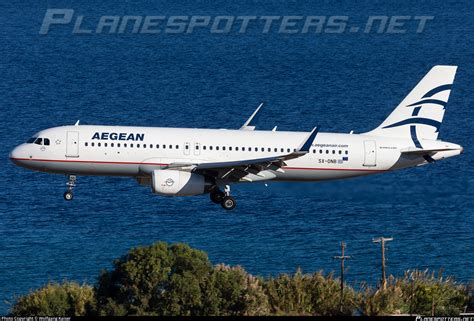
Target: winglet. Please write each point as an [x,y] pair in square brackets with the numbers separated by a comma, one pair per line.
[250,123]
[77,123]
[307,143]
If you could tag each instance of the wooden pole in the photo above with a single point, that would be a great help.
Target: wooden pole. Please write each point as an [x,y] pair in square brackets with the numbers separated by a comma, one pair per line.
[382,241]
[342,257]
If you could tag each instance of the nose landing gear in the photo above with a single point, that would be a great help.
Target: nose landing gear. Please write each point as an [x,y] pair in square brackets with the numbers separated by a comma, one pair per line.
[71,183]
[223,197]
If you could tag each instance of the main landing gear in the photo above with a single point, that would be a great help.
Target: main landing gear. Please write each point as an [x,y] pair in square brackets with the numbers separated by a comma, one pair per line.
[223,198]
[71,183]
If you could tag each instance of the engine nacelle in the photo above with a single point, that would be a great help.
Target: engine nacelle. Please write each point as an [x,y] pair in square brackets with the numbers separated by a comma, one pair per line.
[170,182]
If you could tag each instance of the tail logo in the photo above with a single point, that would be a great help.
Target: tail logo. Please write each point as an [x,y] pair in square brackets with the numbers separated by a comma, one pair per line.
[426,99]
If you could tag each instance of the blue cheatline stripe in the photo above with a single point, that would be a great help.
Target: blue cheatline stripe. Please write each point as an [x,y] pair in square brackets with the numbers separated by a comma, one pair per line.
[424,121]
[428,158]
[413,136]
[436,90]
[429,101]
[416,111]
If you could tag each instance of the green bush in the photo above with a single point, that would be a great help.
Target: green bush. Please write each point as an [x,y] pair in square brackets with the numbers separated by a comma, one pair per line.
[239,292]
[66,299]
[308,294]
[418,292]
[430,294]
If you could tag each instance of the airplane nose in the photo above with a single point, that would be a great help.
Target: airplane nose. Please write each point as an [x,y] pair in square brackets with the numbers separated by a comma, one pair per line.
[16,155]
[13,154]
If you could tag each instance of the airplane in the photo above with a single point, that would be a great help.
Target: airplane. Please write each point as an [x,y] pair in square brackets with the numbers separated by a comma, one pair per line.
[186,161]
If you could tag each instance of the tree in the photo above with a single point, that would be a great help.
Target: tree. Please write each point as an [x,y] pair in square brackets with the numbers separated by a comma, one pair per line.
[160,279]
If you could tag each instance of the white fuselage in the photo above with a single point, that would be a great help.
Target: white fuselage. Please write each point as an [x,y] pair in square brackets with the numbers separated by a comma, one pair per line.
[137,151]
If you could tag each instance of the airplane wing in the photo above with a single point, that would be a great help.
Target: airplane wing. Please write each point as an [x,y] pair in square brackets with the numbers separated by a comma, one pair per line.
[250,123]
[236,169]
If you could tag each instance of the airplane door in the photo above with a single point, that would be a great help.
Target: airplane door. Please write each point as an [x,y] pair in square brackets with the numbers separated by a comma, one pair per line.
[72,144]
[197,149]
[370,157]
[187,149]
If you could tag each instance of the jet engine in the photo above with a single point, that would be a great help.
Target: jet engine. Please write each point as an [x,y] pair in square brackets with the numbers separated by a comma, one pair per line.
[170,182]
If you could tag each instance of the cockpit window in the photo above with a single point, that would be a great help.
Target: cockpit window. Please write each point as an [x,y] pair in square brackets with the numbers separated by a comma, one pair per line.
[39,141]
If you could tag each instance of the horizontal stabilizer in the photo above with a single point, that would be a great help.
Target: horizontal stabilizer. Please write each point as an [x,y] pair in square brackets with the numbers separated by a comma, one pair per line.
[420,151]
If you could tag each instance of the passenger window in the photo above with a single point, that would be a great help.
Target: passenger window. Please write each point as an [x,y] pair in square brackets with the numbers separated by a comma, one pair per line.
[144,145]
[269,149]
[210,147]
[92,144]
[230,148]
[287,150]
[86,144]
[262,149]
[204,147]
[275,150]
[340,152]
[98,144]
[197,146]
[125,145]
[223,147]
[118,144]
[171,146]
[243,149]
[131,145]
[333,151]
[39,141]
[111,144]
[138,145]
[157,146]
[217,147]
[186,146]
[347,152]
[237,149]
[327,151]
[177,146]
[105,144]
[314,151]
[256,149]
[320,151]
[282,150]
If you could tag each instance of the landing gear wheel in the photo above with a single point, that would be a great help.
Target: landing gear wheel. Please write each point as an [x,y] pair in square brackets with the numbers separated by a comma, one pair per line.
[228,203]
[68,196]
[217,196]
